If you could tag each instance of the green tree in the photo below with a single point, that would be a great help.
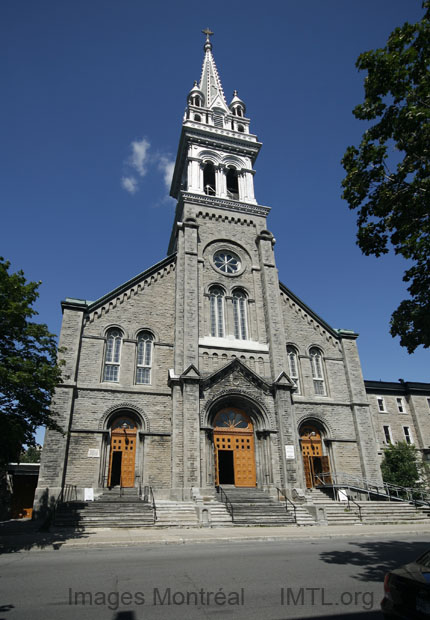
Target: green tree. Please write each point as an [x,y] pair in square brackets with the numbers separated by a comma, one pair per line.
[388,175]
[400,465]
[31,455]
[28,368]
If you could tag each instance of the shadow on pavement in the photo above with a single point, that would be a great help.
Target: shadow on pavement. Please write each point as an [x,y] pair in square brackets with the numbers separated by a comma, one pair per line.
[377,557]
[26,534]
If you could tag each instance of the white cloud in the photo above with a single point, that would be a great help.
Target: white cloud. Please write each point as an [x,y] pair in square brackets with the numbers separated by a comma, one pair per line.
[140,161]
[129,184]
[166,166]
[139,156]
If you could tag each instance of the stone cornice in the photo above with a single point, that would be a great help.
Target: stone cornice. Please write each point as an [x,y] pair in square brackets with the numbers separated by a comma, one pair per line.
[224,204]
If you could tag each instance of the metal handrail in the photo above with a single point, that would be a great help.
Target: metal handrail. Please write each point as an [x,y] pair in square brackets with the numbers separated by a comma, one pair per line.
[350,499]
[227,502]
[64,496]
[68,492]
[154,506]
[388,490]
[287,501]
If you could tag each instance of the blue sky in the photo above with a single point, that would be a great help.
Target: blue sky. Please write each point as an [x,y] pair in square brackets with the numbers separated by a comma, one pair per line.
[84,81]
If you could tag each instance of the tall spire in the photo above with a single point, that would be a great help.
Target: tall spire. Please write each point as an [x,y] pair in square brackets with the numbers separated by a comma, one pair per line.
[210,83]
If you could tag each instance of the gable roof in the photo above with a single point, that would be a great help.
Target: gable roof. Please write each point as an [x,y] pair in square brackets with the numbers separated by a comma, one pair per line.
[90,306]
[336,333]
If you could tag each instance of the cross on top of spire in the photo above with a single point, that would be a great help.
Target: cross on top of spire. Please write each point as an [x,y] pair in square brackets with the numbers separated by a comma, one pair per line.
[208,32]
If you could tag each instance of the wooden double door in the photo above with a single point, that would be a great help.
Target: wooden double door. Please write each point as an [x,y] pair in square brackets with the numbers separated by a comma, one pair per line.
[316,464]
[122,453]
[234,449]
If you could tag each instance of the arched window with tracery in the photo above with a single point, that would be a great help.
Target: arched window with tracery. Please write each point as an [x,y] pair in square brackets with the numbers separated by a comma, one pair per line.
[317,371]
[216,296]
[144,357]
[293,364]
[240,315]
[112,355]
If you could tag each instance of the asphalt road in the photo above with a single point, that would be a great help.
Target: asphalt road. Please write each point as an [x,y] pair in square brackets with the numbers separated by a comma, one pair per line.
[253,580]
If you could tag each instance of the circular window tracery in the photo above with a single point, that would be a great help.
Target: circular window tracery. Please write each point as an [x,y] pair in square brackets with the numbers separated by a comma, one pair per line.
[227,262]
[231,419]
[123,423]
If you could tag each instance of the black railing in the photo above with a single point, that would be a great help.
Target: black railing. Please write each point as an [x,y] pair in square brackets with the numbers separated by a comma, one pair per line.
[283,496]
[226,501]
[68,494]
[152,500]
[350,499]
[390,492]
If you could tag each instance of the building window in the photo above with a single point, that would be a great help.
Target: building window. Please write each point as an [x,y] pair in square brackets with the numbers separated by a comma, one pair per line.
[387,434]
[232,183]
[112,355]
[293,364]
[428,402]
[400,406]
[408,436]
[216,296]
[144,357]
[381,404]
[227,262]
[317,371]
[240,318]
[209,179]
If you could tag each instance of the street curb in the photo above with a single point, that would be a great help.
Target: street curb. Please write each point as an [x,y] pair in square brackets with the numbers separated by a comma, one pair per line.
[304,536]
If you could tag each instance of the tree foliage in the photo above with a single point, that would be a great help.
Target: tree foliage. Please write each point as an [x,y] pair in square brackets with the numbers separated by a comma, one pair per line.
[28,368]
[388,175]
[400,465]
[31,455]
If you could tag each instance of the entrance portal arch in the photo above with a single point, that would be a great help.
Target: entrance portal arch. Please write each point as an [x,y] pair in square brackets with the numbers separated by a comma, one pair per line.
[315,463]
[234,448]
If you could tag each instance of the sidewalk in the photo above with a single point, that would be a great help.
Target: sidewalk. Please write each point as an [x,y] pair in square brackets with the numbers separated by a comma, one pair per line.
[25,537]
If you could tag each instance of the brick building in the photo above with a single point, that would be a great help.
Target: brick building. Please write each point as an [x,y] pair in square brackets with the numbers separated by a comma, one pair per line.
[205,369]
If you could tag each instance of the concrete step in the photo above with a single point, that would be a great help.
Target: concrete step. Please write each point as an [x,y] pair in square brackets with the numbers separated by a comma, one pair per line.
[256,507]
[176,514]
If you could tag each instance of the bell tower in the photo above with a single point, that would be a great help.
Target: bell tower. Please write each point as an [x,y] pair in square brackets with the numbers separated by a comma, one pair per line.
[217,151]
[228,314]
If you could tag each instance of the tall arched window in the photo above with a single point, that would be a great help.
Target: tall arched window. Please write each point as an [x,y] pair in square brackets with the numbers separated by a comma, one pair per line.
[232,183]
[240,317]
[209,179]
[217,311]
[144,357]
[317,371]
[112,355]
[293,363]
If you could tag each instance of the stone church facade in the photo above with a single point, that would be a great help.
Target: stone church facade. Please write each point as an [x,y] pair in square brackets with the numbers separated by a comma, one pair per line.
[205,369]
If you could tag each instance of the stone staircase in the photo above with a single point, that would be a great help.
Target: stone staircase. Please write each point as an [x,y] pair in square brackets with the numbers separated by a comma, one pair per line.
[372,512]
[218,515]
[253,506]
[110,510]
[176,514]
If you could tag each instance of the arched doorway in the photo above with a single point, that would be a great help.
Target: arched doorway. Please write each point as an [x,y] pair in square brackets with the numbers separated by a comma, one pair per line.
[122,452]
[234,448]
[315,462]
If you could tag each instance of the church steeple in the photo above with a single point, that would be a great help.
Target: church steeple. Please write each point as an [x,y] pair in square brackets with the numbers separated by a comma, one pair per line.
[216,151]
[210,83]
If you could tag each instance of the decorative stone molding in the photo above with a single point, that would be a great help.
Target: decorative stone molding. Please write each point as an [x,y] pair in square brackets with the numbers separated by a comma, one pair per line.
[121,406]
[225,204]
[262,421]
